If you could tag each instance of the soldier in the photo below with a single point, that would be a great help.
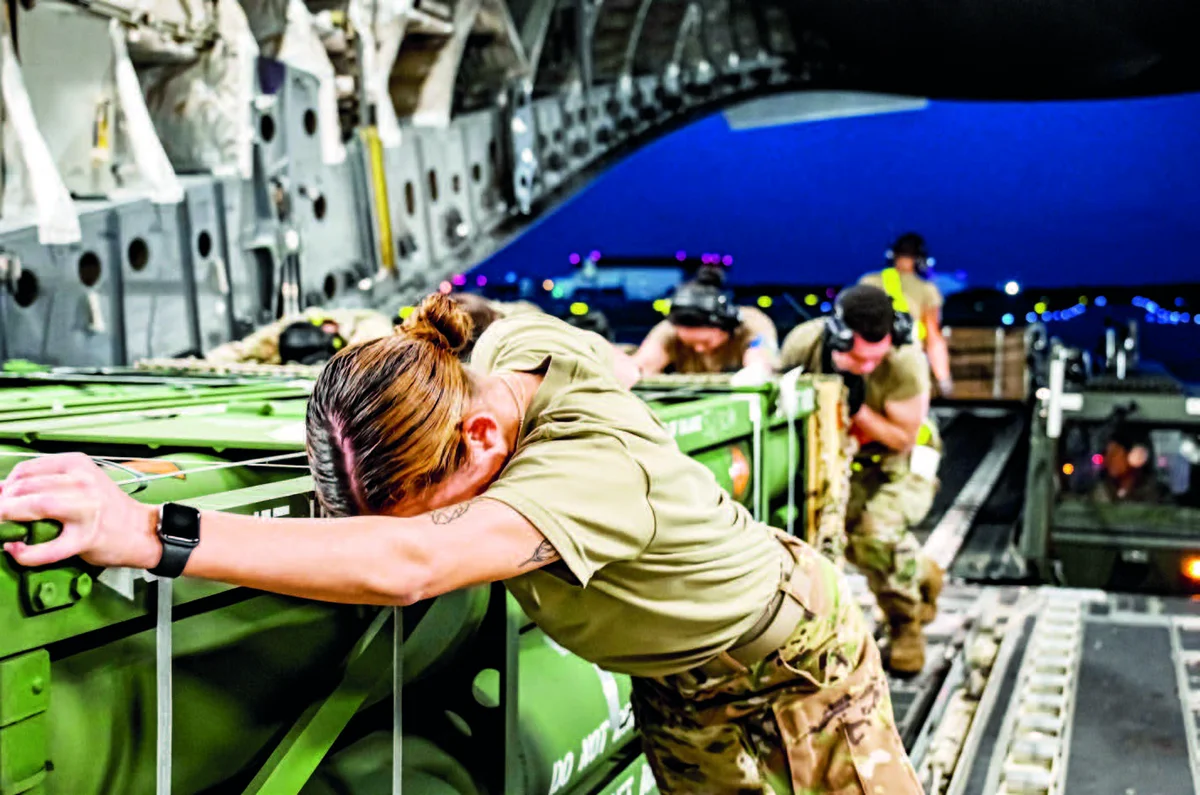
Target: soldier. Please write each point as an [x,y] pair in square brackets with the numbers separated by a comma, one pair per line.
[751,662]
[894,473]
[340,327]
[907,282]
[705,333]
[1128,474]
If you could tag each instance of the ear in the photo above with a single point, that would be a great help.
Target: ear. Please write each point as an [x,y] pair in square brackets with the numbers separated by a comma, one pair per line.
[482,432]
[1138,456]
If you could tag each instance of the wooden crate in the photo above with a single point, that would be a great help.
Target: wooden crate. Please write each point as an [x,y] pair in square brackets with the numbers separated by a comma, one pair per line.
[987,363]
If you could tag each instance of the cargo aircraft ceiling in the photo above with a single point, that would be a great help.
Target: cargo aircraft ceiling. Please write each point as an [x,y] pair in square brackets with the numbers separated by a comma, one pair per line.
[360,152]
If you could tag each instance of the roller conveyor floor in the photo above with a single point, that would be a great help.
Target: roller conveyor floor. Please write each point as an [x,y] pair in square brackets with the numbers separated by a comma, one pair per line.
[1035,689]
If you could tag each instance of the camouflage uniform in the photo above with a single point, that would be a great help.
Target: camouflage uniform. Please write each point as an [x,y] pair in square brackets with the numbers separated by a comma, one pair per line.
[812,717]
[262,346]
[884,503]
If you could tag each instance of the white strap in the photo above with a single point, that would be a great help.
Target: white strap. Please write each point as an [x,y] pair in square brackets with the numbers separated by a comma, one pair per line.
[163,652]
[152,161]
[397,687]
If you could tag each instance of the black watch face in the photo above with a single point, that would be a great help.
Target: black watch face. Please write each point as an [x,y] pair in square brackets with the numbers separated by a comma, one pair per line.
[180,525]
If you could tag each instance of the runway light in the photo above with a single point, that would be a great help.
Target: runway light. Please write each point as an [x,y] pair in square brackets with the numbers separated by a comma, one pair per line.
[1031,317]
[548,285]
[594,256]
[445,288]
[1012,288]
[405,311]
[1097,459]
[1186,317]
[727,259]
[1046,316]
[1083,300]
[510,277]
[681,255]
[481,281]
[1196,320]
[1101,301]
[1191,568]
[1068,469]
[765,301]
[830,293]
[1007,319]
[579,308]
[810,299]
[574,258]
[459,280]
[1178,302]
[558,292]
[826,306]
[1039,307]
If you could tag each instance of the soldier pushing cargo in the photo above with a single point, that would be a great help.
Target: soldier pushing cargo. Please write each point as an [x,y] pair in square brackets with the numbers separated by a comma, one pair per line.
[894,474]
[706,333]
[754,670]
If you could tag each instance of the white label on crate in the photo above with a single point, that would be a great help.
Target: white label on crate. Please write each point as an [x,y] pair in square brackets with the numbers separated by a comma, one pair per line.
[686,425]
[1071,401]
[1192,406]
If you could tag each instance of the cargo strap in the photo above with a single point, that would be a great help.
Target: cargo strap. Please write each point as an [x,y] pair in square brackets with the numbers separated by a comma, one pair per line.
[775,625]
[397,687]
[162,675]
[612,697]
[892,286]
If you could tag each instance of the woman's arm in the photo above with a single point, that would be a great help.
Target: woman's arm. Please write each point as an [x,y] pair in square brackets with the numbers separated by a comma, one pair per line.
[359,560]
[370,559]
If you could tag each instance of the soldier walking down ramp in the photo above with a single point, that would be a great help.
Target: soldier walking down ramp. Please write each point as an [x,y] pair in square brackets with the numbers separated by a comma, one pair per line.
[894,473]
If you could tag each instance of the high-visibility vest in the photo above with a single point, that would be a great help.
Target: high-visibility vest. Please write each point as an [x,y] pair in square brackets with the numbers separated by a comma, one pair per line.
[891,286]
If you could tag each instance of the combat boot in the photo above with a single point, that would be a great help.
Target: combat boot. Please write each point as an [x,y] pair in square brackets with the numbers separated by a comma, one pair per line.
[906,651]
[932,580]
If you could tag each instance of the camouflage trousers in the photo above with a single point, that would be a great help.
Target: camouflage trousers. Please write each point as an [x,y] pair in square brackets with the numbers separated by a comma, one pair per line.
[813,717]
[884,507]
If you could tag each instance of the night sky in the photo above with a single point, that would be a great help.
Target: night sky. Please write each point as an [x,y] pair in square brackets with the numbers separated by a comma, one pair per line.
[1054,194]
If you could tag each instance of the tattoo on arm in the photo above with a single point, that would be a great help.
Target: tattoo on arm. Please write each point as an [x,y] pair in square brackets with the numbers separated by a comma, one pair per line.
[448,515]
[544,553]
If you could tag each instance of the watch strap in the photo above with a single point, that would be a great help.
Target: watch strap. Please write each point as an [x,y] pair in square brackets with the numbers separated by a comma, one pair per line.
[179,532]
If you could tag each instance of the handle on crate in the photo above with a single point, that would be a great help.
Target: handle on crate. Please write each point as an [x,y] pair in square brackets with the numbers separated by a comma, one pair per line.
[30,532]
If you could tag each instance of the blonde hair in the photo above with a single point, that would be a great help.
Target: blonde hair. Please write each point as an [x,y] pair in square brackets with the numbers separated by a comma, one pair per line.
[384,420]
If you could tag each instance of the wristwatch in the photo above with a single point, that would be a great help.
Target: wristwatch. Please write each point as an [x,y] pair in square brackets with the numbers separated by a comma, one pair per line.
[179,532]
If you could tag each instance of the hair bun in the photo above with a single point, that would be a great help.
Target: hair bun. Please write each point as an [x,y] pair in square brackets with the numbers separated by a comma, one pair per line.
[708,275]
[441,321]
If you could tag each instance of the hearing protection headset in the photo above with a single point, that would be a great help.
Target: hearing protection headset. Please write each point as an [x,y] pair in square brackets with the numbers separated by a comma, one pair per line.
[840,337]
[705,304]
[308,342]
[912,245]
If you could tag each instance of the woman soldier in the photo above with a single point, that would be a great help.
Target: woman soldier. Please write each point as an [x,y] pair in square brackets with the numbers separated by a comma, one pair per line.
[751,662]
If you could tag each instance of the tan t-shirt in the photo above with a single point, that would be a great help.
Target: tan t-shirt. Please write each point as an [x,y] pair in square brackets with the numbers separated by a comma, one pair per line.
[660,568]
[903,374]
[920,296]
[756,329]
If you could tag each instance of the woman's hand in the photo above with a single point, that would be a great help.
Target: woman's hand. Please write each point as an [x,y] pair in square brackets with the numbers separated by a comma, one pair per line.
[101,524]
